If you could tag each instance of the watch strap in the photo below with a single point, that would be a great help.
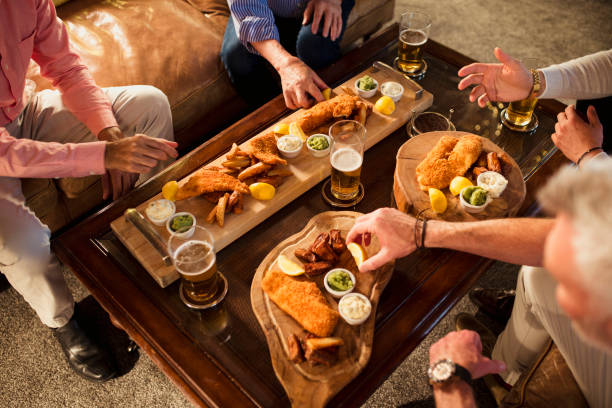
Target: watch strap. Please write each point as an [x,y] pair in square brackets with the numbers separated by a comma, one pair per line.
[463,373]
[536,85]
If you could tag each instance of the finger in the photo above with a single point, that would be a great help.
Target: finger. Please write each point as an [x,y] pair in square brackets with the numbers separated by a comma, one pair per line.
[288,99]
[367,238]
[592,116]
[307,13]
[314,90]
[302,99]
[355,234]
[318,81]
[116,183]
[144,160]
[470,80]
[570,112]
[506,59]
[105,186]
[561,117]
[327,22]
[557,127]
[475,68]
[137,168]
[482,101]
[316,20]
[161,145]
[477,92]
[127,183]
[488,366]
[336,28]
[375,262]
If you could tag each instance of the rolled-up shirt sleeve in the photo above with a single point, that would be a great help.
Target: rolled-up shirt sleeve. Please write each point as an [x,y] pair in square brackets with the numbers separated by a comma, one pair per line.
[29,158]
[64,69]
[253,21]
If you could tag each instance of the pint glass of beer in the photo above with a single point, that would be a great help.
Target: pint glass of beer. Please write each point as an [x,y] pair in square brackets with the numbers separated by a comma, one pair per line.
[519,114]
[414,32]
[195,261]
[346,157]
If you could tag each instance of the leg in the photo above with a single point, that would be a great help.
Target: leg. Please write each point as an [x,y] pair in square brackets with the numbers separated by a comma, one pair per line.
[315,50]
[250,73]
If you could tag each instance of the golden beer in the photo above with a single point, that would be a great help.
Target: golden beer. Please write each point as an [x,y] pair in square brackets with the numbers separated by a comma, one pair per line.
[410,50]
[196,262]
[519,113]
[345,173]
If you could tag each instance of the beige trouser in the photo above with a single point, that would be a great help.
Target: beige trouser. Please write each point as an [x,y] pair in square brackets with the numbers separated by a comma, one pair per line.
[537,317]
[25,256]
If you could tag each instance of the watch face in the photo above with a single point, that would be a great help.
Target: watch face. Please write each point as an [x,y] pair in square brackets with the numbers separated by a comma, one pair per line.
[442,370]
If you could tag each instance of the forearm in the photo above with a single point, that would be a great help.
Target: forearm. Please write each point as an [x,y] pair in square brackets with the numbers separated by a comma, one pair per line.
[456,395]
[515,240]
[273,52]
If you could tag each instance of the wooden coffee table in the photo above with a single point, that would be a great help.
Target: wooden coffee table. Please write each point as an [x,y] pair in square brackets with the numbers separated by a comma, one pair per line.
[221,359]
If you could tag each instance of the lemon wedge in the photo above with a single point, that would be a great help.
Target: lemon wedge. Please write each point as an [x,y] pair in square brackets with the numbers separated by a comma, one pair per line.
[359,253]
[385,105]
[458,184]
[281,128]
[437,200]
[296,130]
[262,191]
[326,93]
[289,267]
[169,190]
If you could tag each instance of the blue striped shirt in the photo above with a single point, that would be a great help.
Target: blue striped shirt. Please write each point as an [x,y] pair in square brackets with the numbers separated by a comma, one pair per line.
[254,19]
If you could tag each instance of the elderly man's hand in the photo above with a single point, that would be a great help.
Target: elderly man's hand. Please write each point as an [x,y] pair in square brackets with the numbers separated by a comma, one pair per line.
[573,136]
[299,81]
[505,82]
[331,13]
[464,348]
[394,230]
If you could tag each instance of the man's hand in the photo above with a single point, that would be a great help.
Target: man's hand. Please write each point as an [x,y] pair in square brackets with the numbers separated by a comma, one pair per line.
[119,182]
[464,348]
[573,136]
[506,82]
[395,232]
[298,82]
[331,13]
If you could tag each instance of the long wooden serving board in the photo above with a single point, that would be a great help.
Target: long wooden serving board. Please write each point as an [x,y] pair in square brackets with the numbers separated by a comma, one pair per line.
[411,199]
[307,172]
[306,385]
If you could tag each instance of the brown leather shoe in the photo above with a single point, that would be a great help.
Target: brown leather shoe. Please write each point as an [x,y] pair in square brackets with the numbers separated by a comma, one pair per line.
[497,303]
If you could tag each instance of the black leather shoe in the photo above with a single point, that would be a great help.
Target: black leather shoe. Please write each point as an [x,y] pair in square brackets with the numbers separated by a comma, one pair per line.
[86,358]
[496,303]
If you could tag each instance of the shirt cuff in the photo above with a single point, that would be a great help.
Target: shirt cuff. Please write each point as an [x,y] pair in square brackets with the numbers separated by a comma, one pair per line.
[554,82]
[89,158]
[255,29]
[101,120]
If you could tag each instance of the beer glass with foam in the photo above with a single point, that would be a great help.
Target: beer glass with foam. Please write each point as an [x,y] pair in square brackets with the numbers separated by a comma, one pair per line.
[413,34]
[346,158]
[195,260]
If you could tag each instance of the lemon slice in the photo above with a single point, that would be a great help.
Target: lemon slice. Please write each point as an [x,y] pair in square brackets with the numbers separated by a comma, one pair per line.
[262,191]
[359,253]
[281,128]
[289,267]
[385,105]
[326,93]
[458,184]
[296,130]
[437,200]
[169,190]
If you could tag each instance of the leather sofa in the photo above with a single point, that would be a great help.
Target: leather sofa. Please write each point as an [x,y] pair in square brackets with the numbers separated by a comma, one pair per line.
[173,45]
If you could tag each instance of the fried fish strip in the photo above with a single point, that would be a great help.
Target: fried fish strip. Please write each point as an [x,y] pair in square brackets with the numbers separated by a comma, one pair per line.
[341,106]
[301,299]
[264,149]
[207,181]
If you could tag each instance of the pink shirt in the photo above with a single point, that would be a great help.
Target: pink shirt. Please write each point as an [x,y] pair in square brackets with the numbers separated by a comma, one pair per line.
[31,29]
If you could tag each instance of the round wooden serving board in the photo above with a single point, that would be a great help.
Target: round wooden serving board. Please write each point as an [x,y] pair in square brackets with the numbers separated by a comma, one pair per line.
[411,199]
[307,385]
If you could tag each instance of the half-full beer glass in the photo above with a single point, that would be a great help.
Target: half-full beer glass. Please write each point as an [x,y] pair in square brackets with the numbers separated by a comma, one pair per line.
[346,158]
[413,34]
[519,115]
[195,261]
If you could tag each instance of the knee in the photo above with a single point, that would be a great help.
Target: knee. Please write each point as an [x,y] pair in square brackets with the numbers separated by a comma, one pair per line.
[539,286]
[238,61]
[152,98]
[315,50]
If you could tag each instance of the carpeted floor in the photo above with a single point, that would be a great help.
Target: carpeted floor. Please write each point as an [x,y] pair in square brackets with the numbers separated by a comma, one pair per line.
[33,372]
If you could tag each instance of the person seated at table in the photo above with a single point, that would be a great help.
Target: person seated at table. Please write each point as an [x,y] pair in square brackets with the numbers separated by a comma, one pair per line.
[588,77]
[293,38]
[573,247]
[82,130]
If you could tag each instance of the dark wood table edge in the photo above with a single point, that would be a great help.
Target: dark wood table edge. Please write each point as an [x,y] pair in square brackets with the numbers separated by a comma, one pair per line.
[180,368]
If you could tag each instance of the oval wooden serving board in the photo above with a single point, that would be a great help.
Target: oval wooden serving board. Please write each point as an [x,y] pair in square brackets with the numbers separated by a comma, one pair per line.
[411,199]
[306,385]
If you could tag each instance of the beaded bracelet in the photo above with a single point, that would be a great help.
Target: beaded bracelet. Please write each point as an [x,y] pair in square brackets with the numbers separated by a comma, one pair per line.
[592,149]
[423,229]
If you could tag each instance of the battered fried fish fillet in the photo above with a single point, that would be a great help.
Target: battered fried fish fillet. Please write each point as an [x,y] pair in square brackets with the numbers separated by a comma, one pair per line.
[208,181]
[449,158]
[264,149]
[341,106]
[301,299]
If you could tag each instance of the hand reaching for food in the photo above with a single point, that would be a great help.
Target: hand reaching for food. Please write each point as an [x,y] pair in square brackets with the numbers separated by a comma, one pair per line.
[300,84]
[393,229]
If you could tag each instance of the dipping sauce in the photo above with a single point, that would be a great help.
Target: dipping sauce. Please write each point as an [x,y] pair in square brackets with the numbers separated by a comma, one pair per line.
[318,142]
[392,90]
[181,222]
[493,182]
[366,83]
[159,211]
[339,280]
[475,195]
[289,143]
[354,307]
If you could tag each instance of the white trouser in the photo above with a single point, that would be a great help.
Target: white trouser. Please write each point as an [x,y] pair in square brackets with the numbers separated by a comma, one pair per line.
[537,317]
[25,256]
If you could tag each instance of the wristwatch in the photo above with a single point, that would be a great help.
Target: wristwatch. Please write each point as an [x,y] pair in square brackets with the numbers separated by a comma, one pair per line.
[535,88]
[445,370]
